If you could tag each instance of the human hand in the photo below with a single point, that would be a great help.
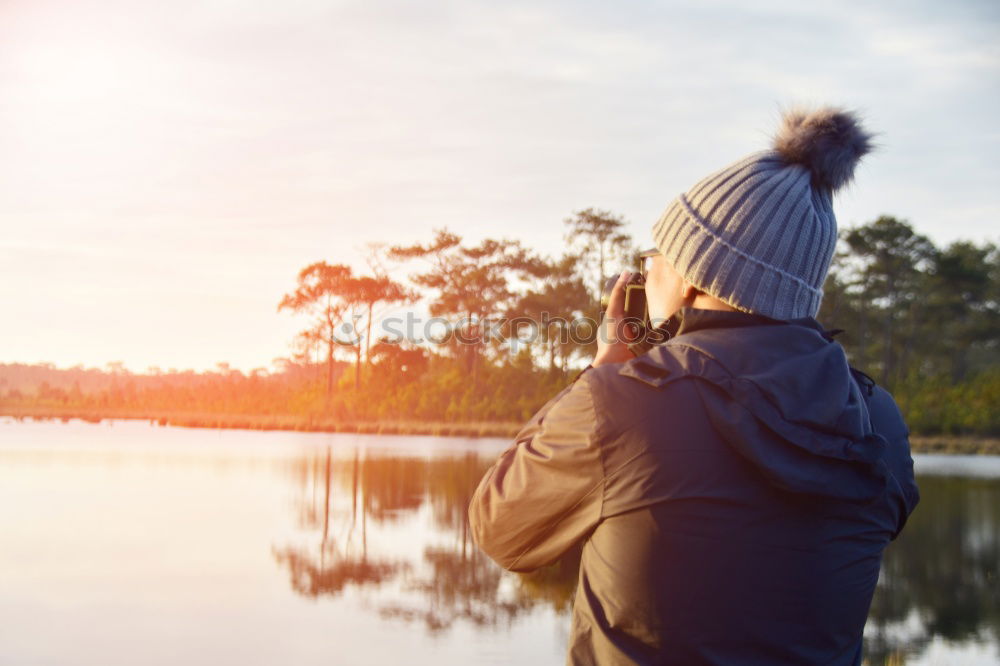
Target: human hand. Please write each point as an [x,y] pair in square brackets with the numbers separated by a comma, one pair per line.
[615,334]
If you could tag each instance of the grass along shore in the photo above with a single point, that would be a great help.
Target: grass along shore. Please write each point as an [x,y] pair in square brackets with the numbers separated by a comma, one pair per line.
[958,444]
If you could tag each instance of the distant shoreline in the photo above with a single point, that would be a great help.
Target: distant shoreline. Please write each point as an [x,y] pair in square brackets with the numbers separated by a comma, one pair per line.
[957,444]
[288,422]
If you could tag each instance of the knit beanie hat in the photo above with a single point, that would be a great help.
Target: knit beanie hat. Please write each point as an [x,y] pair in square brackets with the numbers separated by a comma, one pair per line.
[759,234]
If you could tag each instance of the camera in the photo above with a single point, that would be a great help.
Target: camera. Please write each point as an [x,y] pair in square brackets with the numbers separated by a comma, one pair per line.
[646,336]
[635,297]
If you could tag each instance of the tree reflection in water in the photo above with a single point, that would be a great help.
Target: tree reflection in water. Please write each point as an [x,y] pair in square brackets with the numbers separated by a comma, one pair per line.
[334,565]
[939,579]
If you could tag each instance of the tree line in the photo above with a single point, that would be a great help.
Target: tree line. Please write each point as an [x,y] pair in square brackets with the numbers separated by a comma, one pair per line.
[922,320]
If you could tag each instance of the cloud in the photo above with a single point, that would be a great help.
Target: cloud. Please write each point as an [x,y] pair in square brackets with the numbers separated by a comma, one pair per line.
[219,136]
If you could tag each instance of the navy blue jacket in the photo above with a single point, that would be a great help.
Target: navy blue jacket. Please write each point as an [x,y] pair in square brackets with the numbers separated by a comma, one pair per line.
[734,489]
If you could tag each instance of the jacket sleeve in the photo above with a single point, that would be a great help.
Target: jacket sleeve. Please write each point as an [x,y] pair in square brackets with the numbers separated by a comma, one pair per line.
[545,492]
[888,421]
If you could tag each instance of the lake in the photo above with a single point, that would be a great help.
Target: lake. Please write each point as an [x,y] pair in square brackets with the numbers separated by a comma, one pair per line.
[127,543]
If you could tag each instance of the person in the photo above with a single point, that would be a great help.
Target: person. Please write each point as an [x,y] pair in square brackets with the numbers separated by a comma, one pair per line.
[734,487]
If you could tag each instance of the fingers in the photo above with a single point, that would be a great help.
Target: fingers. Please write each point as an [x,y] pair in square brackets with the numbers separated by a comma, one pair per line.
[616,305]
[617,329]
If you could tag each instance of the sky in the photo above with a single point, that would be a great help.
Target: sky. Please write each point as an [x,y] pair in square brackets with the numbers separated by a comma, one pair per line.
[168,167]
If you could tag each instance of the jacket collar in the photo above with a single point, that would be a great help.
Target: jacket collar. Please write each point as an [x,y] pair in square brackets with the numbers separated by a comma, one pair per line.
[658,366]
[695,319]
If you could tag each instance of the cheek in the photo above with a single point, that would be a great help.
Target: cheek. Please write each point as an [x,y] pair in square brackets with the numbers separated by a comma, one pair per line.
[656,295]
[663,294]
[660,284]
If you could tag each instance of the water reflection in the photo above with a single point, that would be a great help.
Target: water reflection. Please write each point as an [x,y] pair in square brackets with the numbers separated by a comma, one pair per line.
[939,580]
[452,580]
[333,563]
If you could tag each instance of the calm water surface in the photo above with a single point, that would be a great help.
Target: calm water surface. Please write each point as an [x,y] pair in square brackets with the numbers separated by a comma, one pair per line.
[124,543]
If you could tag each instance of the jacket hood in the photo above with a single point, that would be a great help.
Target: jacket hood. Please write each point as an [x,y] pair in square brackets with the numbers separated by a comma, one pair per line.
[782,395]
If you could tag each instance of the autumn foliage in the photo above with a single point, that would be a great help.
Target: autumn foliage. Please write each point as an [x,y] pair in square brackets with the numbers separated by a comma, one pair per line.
[922,320]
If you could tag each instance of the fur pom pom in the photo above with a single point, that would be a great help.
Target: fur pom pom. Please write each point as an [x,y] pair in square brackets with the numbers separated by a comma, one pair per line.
[829,142]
